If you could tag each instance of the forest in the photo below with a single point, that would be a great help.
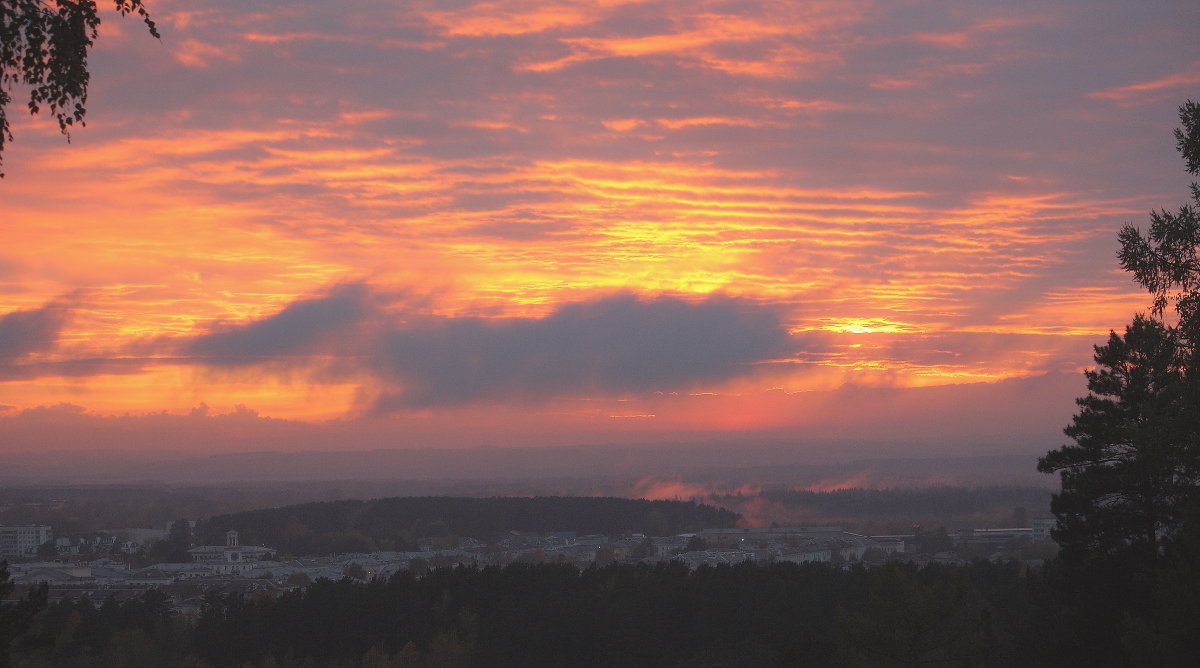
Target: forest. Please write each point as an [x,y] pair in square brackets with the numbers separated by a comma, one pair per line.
[523,615]
[663,615]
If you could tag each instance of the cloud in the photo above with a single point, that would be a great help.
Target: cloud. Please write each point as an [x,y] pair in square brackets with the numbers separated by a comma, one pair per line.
[305,326]
[613,345]
[194,53]
[31,331]
[511,156]
[56,412]
[69,427]
[26,336]
[1168,87]
[31,346]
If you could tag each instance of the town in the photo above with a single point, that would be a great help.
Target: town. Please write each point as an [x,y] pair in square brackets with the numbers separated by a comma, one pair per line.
[104,565]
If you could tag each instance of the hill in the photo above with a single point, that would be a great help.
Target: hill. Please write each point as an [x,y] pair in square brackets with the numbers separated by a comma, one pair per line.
[396,523]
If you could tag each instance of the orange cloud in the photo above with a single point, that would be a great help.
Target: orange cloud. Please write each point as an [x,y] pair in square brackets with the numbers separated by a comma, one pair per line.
[679,123]
[1150,91]
[489,19]
[194,53]
[500,160]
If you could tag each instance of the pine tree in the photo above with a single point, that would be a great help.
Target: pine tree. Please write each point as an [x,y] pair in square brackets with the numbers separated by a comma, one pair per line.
[1124,480]
[1130,497]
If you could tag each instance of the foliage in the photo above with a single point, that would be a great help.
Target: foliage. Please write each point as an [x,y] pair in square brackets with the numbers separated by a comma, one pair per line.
[551,614]
[910,622]
[16,618]
[1165,259]
[932,542]
[895,510]
[78,509]
[643,549]
[174,548]
[1126,477]
[395,523]
[1131,479]
[138,632]
[783,614]
[44,45]
[48,551]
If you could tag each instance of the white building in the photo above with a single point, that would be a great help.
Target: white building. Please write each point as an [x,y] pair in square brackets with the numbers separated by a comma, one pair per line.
[20,542]
[230,557]
[806,555]
[1042,527]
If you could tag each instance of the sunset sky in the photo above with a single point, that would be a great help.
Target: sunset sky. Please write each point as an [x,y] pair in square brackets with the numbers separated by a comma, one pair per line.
[320,225]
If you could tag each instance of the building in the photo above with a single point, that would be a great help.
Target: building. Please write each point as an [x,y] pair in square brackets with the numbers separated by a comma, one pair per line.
[1042,527]
[22,541]
[733,537]
[230,557]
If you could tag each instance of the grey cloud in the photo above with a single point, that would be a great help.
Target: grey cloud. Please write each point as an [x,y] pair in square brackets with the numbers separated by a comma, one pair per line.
[27,332]
[304,326]
[31,331]
[613,345]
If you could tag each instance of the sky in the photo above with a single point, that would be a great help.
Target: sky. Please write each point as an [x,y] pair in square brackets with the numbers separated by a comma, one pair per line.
[313,225]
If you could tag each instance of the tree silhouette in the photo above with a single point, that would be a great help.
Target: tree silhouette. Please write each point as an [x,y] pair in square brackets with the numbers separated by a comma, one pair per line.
[1166,258]
[1131,481]
[17,618]
[44,45]
[1135,465]
[1122,483]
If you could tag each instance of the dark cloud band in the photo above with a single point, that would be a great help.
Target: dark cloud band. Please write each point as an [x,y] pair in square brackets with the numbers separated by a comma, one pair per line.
[30,331]
[612,345]
[615,344]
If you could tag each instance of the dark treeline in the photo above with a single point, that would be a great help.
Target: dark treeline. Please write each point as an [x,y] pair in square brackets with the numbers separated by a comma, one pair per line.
[627,615]
[922,500]
[74,509]
[395,523]
[897,509]
[982,614]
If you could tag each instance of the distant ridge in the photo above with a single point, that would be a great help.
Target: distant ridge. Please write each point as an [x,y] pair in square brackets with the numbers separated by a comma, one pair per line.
[396,523]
